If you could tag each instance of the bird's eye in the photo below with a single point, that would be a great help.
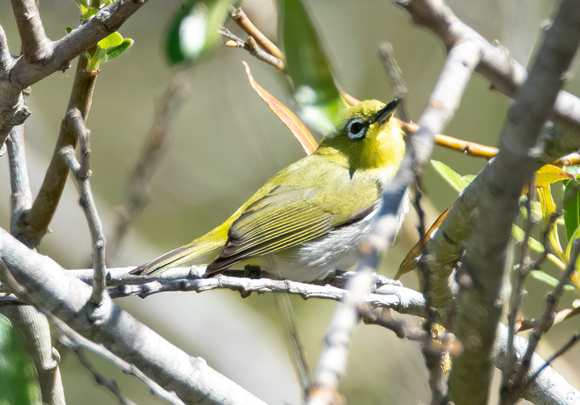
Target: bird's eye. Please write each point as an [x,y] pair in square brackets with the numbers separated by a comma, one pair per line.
[356,129]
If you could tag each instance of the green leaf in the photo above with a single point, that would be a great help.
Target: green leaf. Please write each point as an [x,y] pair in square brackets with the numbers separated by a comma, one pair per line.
[18,384]
[546,278]
[108,48]
[114,39]
[194,29]
[115,51]
[456,181]
[309,69]
[572,207]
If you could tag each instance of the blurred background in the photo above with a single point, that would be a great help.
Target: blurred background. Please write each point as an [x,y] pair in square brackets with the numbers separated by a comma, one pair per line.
[225,144]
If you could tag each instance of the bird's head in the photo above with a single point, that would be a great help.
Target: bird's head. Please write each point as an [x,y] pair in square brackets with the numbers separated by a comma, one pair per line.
[368,137]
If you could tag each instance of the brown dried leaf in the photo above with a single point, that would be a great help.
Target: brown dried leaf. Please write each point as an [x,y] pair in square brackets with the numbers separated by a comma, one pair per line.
[292,122]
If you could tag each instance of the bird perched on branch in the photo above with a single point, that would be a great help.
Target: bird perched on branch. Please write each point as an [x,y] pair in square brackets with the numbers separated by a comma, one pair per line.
[309,219]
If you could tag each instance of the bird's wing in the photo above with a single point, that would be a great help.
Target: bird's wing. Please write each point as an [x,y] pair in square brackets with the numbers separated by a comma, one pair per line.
[286,217]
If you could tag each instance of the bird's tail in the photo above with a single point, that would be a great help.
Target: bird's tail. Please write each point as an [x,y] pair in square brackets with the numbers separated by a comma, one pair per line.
[194,253]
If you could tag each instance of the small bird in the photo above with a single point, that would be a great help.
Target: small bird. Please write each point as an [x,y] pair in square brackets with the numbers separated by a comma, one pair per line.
[309,219]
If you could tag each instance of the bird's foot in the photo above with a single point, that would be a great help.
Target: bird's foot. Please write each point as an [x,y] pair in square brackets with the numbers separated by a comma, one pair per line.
[339,279]
[251,271]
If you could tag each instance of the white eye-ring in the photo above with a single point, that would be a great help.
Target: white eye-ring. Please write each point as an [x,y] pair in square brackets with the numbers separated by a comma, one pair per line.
[356,129]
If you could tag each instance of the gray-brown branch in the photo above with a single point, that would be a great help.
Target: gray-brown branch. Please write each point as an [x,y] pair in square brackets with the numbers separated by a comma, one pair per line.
[42,56]
[66,297]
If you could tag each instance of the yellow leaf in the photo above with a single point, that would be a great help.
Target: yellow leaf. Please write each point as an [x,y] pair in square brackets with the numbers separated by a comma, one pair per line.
[549,174]
[548,207]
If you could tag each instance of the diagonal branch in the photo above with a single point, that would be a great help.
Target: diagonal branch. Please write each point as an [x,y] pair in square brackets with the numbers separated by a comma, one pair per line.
[498,189]
[77,343]
[44,57]
[443,102]
[58,54]
[34,41]
[6,60]
[66,297]
[249,28]
[545,323]
[549,387]
[166,109]
[81,173]
[33,224]
[32,324]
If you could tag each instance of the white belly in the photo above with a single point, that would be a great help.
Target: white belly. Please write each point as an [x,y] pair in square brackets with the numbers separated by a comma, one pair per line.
[319,258]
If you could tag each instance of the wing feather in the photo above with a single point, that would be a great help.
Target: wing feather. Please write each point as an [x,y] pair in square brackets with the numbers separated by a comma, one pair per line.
[282,219]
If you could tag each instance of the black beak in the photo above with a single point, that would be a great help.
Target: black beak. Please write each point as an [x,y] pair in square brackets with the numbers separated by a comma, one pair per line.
[386,111]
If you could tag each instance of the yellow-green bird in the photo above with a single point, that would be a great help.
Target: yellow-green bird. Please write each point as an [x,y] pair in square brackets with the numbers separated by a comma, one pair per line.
[309,219]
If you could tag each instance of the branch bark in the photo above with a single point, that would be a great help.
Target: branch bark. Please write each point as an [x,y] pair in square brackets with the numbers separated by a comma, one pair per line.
[33,224]
[32,324]
[66,297]
[42,57]
[498,189]
[81,173]
[442,105]
[549,388]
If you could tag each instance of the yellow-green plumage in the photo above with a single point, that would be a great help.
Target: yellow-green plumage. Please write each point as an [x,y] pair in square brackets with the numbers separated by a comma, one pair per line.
[309,218]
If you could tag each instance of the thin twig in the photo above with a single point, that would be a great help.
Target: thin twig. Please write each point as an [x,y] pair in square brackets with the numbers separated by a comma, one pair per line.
[395,76]
[391,295]
[401,299]
[6,59]
[66,297]
[518,288]
[571,159]
[443,102]
[499,187]
[21,197]
[81,173]
[122,276]
[382,317]
[252,47]
[78,343]
[559,317]
[573,340]
[431,351]
[32,324]
[100,379]
[547,319]
[33,224]
[249,28]
[166,108]
[468,148]
[44,57]
[35,43]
